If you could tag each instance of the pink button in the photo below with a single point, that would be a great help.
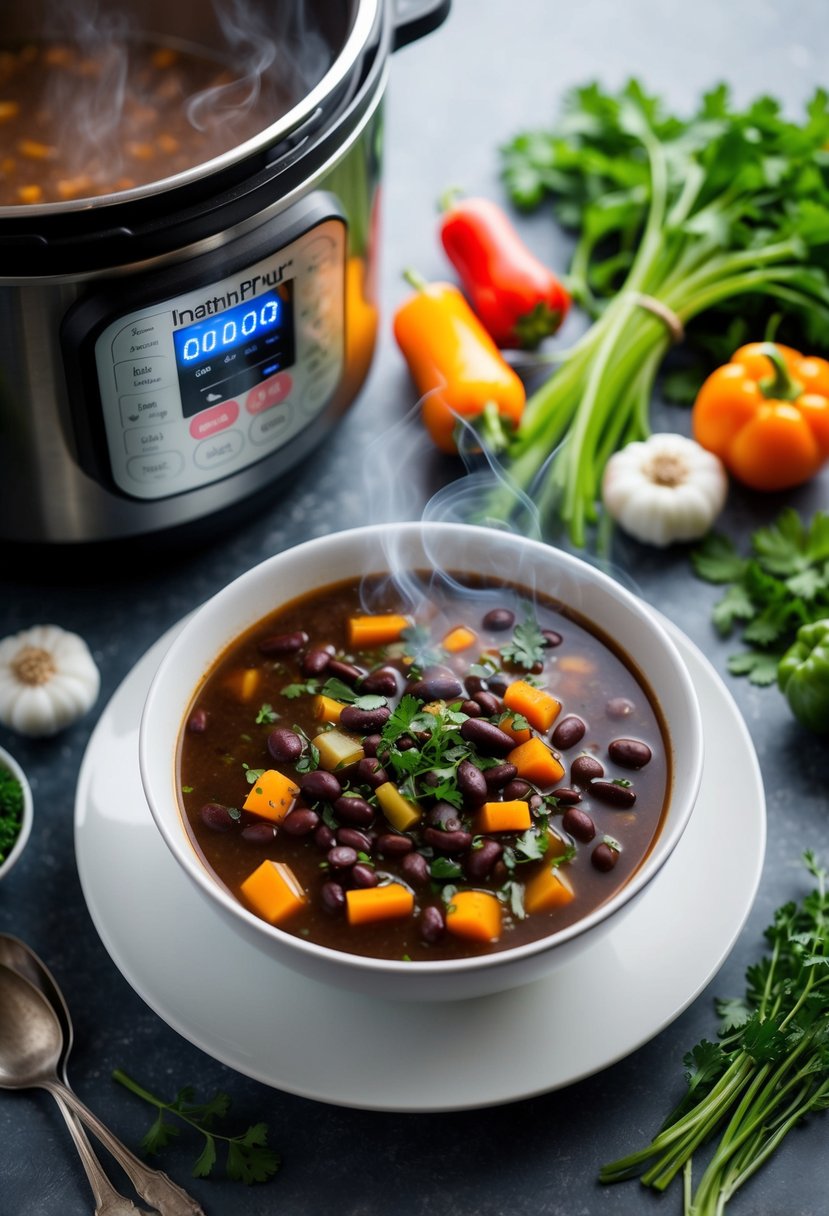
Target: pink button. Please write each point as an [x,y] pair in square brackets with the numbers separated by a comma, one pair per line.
[208,422]
[270,392]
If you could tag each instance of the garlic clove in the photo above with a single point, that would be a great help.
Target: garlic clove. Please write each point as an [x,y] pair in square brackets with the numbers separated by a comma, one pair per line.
[48,679]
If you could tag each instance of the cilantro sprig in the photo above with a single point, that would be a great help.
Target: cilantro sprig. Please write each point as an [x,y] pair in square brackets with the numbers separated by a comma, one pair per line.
[248,1157]
[781,584]
[439,752]
[527,644]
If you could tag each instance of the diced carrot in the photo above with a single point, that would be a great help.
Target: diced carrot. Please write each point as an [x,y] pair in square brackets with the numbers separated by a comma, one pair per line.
[243,683]
[338,749]
[577,664]
[273,892]
[538,706]
[474,914]
[547,889]
[459,638]
[326,709]
[401,812]
[271,796]
[513,816]
[536,762]
[364,632]
[520,735]
[390,902]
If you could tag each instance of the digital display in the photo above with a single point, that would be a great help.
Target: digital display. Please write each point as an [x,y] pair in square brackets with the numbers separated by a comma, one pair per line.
[232,352]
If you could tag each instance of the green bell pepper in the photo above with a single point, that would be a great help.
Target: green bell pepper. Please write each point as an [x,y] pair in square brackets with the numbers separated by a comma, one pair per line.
[803,676]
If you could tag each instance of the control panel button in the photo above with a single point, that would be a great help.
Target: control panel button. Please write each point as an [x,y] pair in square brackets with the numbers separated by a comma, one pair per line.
[141,339]
[139,375]
[213,452]
[271,392]
[149,439]
[217,418]
[272,427]
[154,408]
[152,469]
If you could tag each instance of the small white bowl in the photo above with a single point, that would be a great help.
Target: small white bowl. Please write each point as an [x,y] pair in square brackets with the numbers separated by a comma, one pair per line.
[475,550]
[8,761]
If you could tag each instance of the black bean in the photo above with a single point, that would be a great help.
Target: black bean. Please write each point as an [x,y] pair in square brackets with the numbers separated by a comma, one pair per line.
[284,643]
[381,682]
[300,822]
[471,708]
[619,707]
[315,660]
[498,619]
[369,771]
[568,732]
[341,857]
[432,924]
[629,753]
[474,684]
[551,638]
[448,842]
[439,687]
[489,703]
[347,672]
[217,817]
[332,896]
[415,868]
[364,721]
[444,816]
[371,744]
[320,786]
[585,769]
[471,783]
[519,788]
[259,833]
[619,796]
[566,796]
[604,857]
[197,722]
[354,811]
[498,683]
[579,824]
[324,837]
[486,736]
[479,862]
[499,775]
[390,844]
[354,839]
[363,875]
[284,744]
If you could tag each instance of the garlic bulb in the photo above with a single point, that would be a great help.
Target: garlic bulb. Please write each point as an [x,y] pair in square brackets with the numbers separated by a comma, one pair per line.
[666,488]
[48,678]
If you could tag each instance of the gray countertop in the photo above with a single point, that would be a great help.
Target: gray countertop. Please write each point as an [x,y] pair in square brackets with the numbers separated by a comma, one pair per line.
[452,99]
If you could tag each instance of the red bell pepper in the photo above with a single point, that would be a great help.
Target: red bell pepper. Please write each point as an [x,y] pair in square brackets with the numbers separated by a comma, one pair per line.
[516,297]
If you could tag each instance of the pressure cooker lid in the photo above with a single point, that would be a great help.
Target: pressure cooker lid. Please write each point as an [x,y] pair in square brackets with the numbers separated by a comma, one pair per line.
[123,102]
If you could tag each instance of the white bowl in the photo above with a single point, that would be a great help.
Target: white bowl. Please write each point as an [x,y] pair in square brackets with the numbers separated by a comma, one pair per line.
[8,761]
[333,558]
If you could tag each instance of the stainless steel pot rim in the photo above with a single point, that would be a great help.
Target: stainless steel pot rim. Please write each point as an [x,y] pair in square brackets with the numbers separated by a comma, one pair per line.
[338,73]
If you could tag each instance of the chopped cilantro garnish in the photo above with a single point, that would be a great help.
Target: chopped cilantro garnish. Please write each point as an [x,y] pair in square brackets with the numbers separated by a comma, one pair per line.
[266,714]
[526,648]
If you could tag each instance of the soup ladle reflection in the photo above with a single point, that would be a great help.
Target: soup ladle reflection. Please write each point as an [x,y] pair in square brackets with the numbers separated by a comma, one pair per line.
[31,1045]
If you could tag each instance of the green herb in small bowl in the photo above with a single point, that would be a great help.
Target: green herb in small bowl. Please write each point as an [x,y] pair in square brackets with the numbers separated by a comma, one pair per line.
[15,811]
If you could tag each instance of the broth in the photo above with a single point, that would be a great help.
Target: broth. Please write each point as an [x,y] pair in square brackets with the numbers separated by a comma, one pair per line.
[265,684]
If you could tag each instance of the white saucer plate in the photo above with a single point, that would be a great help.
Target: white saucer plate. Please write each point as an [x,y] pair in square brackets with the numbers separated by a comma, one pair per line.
[245,1010]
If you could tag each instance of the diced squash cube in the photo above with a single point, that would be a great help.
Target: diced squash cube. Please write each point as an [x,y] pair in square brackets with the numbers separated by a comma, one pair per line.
[326,709]
[512,816]
[475,915]
[401,812]
[537,762]
[390,902]
[519,734]
[366,632]
[576,664]
[271,796]
[273,892]
[547,889]
[338,749]
[243,683]
[459,638]
[538,706]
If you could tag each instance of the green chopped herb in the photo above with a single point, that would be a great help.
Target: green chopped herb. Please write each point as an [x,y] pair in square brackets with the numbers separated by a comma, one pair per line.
[11,811]
[309,688]
[444,868]
[526,648]
[266,715]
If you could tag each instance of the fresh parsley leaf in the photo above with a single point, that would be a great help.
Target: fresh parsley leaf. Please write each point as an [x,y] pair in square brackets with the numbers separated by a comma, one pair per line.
[760,667]
[252,775]
[443,868]
[266,714]
[308,688]
[717,561]
[526,648]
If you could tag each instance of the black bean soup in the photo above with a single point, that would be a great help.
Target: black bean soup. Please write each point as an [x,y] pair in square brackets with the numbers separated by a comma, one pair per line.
[441,775]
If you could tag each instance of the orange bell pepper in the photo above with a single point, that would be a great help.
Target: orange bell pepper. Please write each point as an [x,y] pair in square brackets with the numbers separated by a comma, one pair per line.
[457,368]
[766,415]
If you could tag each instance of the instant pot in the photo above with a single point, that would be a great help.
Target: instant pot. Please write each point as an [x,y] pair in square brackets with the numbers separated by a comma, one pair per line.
[169,351]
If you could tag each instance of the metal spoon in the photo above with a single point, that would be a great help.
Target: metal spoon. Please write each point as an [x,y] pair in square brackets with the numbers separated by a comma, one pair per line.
[31,1044]
[20,958]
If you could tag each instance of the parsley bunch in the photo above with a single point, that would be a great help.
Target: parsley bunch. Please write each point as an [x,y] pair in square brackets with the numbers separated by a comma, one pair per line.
[248,1157]
[782,584]
[769,1069]
[677,218]
[11,811]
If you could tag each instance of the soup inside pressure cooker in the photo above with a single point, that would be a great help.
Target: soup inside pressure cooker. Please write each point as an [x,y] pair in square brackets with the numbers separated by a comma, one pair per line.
[79,121]
[437,776]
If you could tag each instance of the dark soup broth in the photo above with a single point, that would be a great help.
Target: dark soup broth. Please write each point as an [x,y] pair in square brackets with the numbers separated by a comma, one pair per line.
[452,771]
